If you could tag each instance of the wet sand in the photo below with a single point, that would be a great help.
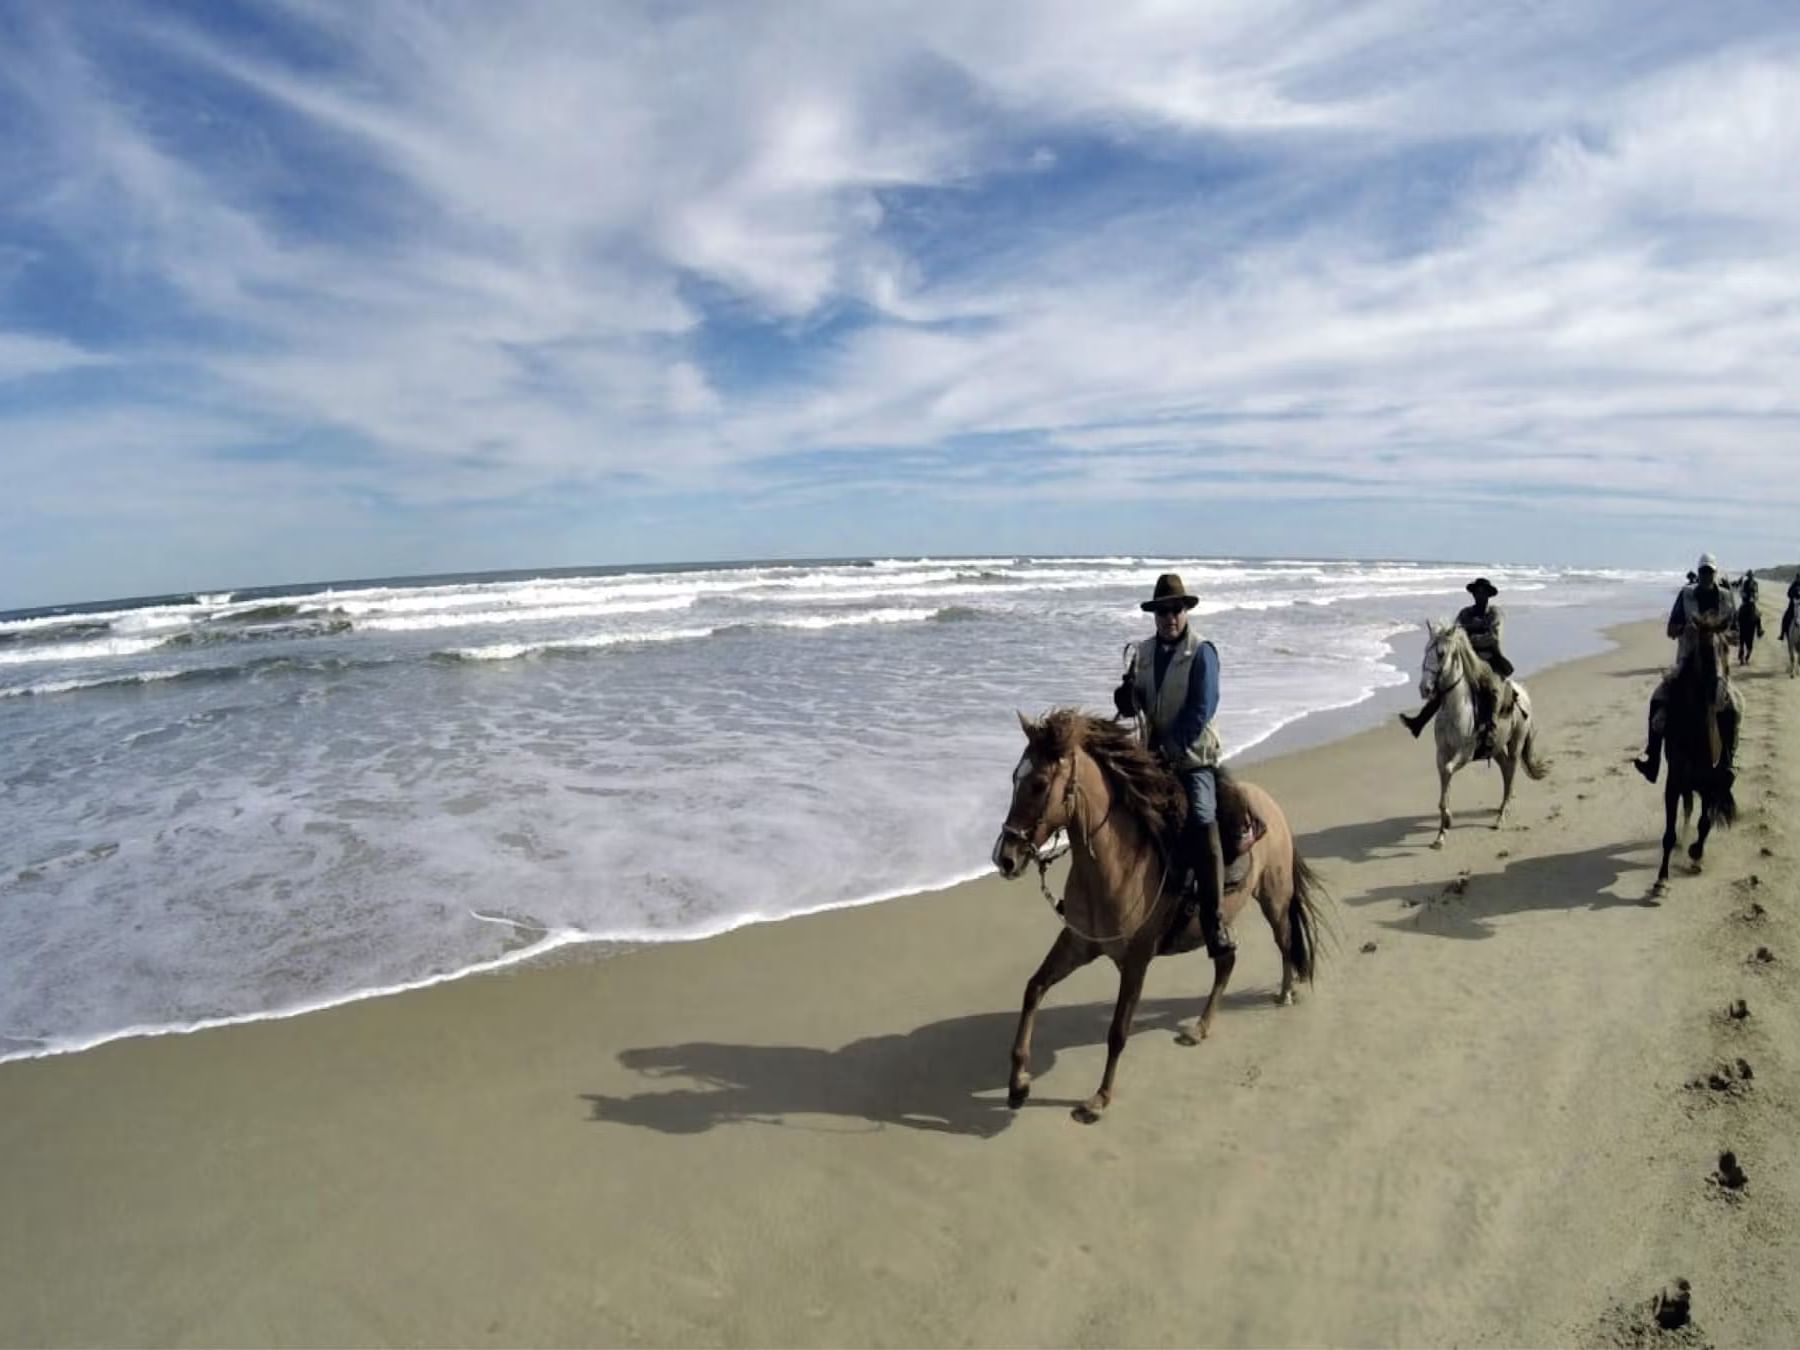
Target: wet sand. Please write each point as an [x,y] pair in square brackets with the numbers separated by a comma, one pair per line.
[1475,1129]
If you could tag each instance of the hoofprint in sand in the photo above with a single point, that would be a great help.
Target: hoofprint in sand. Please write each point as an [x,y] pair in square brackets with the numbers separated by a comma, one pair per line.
[1475,1129]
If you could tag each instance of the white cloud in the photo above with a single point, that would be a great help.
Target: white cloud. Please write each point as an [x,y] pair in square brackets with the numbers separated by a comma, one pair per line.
[1390,246]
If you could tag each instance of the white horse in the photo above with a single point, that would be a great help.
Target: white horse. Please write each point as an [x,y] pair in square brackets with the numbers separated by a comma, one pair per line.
[1453,669]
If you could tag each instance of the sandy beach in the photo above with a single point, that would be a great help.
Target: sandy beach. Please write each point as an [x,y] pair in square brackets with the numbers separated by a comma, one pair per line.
[1475,1129]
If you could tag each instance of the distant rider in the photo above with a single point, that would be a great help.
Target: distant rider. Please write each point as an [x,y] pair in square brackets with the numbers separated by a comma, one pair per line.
[1173,682]
[1793,599]
[1703,612]
[1482,622]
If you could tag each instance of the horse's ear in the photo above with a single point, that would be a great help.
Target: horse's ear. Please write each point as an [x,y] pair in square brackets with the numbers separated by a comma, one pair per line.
[1026,725]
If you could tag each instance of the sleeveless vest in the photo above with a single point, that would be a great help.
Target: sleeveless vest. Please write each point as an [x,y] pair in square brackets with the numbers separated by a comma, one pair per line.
[1162,706]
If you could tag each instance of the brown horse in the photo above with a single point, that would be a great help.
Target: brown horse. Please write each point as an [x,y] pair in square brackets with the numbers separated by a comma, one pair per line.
[1122,811]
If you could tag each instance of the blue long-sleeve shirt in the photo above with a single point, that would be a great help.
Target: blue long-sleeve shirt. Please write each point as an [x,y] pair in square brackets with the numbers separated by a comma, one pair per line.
[1202,692]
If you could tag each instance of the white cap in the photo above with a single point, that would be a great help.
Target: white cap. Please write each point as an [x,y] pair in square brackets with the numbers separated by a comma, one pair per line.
[1707,563]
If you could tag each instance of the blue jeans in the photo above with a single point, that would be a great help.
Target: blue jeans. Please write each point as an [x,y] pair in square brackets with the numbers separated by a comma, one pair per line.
[1202,796]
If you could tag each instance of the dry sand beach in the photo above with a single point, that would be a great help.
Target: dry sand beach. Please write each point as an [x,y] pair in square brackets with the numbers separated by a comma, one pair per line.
[1477,1129]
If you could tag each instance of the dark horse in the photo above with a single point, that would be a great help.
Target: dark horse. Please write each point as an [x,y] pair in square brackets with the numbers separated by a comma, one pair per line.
[1694,742]
[1749,626]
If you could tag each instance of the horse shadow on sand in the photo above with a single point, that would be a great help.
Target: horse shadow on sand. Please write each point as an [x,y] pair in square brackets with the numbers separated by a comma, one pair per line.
[947,1077]
[1365,839]
[1605,877]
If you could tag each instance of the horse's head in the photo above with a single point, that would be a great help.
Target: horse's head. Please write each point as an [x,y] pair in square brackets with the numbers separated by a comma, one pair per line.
[1042,797]
[1437,652]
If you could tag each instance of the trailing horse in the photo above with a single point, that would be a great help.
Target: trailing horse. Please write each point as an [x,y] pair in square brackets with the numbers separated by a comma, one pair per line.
[1122,811]
[1451,668]
[1694,750]
[1749,628]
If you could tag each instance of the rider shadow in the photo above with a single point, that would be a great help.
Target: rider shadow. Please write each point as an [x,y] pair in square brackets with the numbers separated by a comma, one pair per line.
[947,1077]
[1364,839]
[1589,879]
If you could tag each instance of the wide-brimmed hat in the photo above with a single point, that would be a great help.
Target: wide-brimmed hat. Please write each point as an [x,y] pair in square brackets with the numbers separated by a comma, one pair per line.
[1169,587]
[1481,586]
[1707,563]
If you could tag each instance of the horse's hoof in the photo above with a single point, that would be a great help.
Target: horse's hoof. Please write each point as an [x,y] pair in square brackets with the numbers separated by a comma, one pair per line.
[1696,852]
[1285,999]
[1438,842]
[1190,1035]
[1015,1097]
[1659,889]
[1088,1113]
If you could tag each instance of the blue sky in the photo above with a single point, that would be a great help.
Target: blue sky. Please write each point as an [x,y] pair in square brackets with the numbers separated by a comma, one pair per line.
[296,291]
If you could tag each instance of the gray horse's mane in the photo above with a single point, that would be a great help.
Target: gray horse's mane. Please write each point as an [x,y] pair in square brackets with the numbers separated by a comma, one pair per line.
[1458,648]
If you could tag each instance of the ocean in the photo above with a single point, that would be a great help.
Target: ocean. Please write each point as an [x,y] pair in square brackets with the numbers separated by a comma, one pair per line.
[232,805]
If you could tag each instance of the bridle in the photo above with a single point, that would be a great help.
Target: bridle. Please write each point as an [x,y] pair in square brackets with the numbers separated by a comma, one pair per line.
[1038,855]
[1071,802]
[1436,660]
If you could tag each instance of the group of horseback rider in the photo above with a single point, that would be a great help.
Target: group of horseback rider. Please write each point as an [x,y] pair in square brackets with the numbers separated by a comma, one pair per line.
[1171,685]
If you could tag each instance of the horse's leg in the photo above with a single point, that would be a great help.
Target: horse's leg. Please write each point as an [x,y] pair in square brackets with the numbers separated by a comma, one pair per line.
[1668,839]
[1277,916]
[1222,968]
[1697,849]
[1067,955]
[1509,763]
[1131,985]
[1444,773]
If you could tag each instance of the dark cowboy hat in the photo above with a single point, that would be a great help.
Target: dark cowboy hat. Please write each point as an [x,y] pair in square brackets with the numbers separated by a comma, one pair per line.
[1169,587]
[1481,586]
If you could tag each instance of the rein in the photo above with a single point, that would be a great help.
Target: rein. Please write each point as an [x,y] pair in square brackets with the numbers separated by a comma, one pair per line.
[1043,859]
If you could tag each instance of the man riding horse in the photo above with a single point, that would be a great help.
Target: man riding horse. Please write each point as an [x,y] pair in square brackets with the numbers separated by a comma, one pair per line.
[1703,612]
[1793,599]
[1172,682]
[1482,622]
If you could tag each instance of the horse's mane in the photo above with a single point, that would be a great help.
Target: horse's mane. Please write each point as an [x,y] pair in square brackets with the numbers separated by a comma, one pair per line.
[1140,782]
[1457,647]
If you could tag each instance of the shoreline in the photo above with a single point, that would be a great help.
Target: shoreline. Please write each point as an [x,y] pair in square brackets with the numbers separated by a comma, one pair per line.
[1313,729]
[797,1133]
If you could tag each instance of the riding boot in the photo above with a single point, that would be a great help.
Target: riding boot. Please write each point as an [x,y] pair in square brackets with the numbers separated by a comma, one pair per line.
[1484,724]
[1415,722]
[1207,852]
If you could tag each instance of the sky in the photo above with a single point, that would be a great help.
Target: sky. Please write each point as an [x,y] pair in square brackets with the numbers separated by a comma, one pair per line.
[296,292]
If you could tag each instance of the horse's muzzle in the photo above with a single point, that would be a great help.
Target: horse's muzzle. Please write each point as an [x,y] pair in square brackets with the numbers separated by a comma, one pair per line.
[1011,853]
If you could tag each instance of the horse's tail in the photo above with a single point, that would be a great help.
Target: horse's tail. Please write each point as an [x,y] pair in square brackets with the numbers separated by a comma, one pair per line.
[1536,769]
[1303,919]
[1721,805]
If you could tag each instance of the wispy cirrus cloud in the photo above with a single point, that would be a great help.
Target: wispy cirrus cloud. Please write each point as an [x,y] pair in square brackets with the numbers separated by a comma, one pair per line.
[523,281]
